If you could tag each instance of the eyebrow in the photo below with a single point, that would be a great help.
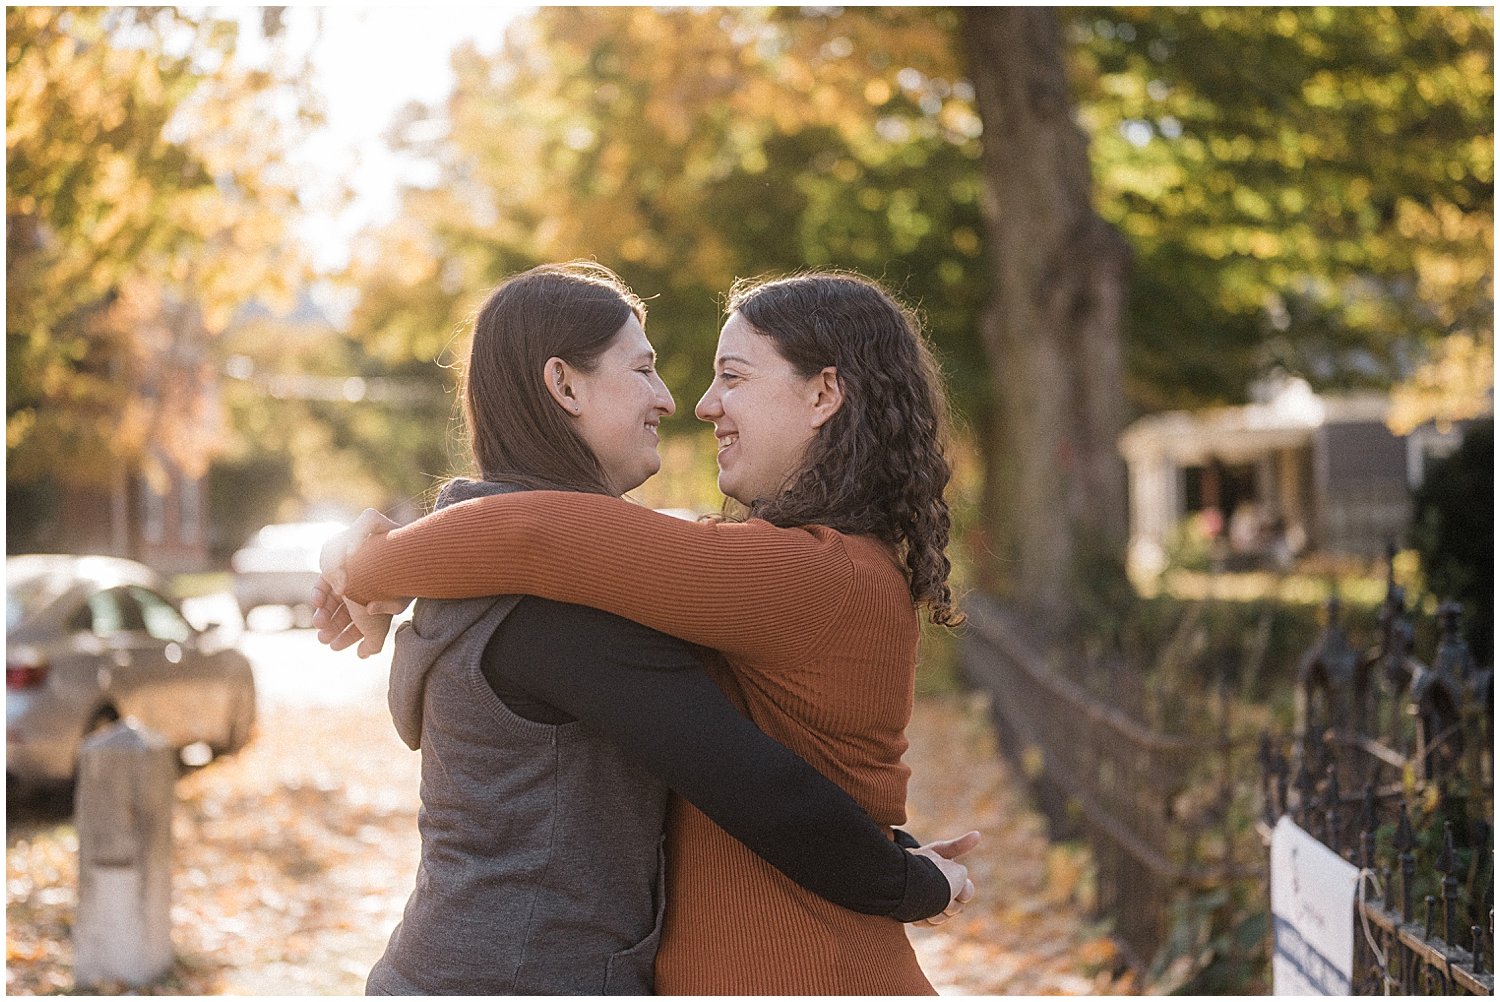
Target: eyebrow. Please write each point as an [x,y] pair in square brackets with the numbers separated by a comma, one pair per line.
[724,359]
[645,355]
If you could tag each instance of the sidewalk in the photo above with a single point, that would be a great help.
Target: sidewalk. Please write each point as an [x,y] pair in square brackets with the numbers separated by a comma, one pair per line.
[1025,933]
[294,859]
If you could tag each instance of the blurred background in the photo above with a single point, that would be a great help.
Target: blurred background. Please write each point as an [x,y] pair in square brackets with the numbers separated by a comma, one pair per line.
[243,248]
[1212,288]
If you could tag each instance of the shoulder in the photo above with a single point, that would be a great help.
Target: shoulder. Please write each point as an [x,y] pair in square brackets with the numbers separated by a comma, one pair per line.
[819,537]
[870,553]
[877,566]
[865,555]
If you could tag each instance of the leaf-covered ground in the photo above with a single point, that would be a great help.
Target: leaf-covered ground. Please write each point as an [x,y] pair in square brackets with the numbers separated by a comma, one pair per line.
[1026,932]
[292,862]
[294,858]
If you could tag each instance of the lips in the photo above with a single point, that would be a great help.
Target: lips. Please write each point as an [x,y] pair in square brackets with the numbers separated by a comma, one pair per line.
[725,441]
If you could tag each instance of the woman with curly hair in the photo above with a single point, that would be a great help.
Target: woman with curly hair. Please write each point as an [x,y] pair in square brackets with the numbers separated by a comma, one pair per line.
[829,415]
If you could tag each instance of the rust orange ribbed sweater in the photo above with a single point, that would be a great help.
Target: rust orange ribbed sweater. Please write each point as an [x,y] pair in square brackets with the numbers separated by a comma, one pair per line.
[820,637]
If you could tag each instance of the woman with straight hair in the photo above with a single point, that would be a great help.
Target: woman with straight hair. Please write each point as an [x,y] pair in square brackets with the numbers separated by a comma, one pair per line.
[551,733]
[829,416]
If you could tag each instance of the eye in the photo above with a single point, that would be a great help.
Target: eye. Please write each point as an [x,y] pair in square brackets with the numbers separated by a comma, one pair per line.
[728,377]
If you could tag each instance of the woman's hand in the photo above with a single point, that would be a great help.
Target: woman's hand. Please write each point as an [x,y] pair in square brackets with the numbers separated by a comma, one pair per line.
[333,562]
[341,621]
[944,854]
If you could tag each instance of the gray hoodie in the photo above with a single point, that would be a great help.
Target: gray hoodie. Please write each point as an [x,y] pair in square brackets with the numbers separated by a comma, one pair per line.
[541,868]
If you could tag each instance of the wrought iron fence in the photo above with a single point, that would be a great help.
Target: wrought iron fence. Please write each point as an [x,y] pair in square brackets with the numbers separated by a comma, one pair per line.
[1153,806]
[1382,738]
[1386,749]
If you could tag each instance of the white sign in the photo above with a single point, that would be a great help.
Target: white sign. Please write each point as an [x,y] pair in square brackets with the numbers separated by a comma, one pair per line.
[1312,914]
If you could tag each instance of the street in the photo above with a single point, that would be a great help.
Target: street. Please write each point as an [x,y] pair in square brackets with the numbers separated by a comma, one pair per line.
[291,668]
[293,858]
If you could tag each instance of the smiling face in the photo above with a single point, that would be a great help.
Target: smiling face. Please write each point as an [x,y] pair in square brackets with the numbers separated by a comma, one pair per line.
[764,413]
[618,408]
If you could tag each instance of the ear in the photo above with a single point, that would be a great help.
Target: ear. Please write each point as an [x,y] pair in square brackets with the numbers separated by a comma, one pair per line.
[827,396]
[557,377]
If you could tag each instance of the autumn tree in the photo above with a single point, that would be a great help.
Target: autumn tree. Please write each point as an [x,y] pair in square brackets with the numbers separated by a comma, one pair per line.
[751,141]
[1306,188]
[1056,485]
[146,200]
[1314,197]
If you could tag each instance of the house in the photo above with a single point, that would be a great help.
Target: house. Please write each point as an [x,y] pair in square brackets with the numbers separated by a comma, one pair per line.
[1291,472]
[162,521]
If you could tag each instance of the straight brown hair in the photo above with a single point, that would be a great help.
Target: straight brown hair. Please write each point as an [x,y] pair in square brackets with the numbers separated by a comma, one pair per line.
[517,433]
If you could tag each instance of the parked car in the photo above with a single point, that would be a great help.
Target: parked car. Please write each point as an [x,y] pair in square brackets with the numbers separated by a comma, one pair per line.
[279,565]
[91,640]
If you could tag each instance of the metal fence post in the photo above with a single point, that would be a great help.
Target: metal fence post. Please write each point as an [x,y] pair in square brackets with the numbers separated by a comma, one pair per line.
[124,816]
[1447,865]
[1405,842]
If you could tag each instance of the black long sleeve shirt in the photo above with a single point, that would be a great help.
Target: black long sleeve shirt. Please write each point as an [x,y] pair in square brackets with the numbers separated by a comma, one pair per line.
[645,691]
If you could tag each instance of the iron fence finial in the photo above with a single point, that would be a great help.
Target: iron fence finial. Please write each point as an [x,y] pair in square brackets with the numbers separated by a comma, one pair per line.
[1404,843]
[1447,865]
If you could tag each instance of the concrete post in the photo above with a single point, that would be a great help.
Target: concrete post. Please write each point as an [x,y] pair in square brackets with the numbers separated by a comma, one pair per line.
[124,816]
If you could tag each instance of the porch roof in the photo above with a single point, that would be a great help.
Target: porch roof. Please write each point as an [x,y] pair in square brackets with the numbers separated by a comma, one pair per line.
[1245,433]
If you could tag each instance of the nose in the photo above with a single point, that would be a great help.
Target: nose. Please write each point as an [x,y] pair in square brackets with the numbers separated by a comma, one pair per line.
[664,401]
[708,408]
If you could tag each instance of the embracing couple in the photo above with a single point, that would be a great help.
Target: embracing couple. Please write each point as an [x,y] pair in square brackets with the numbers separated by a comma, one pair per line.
[660,755]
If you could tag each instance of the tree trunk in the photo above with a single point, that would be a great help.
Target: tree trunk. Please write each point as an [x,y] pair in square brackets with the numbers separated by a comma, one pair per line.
[1055,485]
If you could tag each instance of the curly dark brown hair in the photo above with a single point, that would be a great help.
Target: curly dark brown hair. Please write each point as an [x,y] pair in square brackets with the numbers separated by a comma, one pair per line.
[879,466]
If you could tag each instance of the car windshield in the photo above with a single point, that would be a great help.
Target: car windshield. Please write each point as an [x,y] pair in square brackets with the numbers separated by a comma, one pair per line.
[28,596]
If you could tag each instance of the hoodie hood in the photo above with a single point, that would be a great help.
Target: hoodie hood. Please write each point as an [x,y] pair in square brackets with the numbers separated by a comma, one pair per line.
[453,628]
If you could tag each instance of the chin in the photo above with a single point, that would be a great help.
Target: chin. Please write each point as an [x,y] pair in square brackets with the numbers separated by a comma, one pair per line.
[734,495]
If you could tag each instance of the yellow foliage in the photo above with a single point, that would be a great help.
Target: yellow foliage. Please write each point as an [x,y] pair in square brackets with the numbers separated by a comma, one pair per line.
[1456,383]
[118,150]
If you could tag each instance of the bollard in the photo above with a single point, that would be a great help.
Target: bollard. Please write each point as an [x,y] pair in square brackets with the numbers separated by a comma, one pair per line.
[123,813]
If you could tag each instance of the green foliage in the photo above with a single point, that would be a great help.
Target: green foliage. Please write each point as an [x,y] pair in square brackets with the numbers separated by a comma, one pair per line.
[144,202]
[1304,187]
[1216,944]
[31,510]
[1471,818]
[243,495]
[938,672]
[1189,546]
[1166,660]
[752,141]
[291,411]
[1452,531]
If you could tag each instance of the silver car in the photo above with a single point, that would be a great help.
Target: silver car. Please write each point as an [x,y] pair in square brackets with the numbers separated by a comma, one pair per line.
[91,640]
[279,566]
